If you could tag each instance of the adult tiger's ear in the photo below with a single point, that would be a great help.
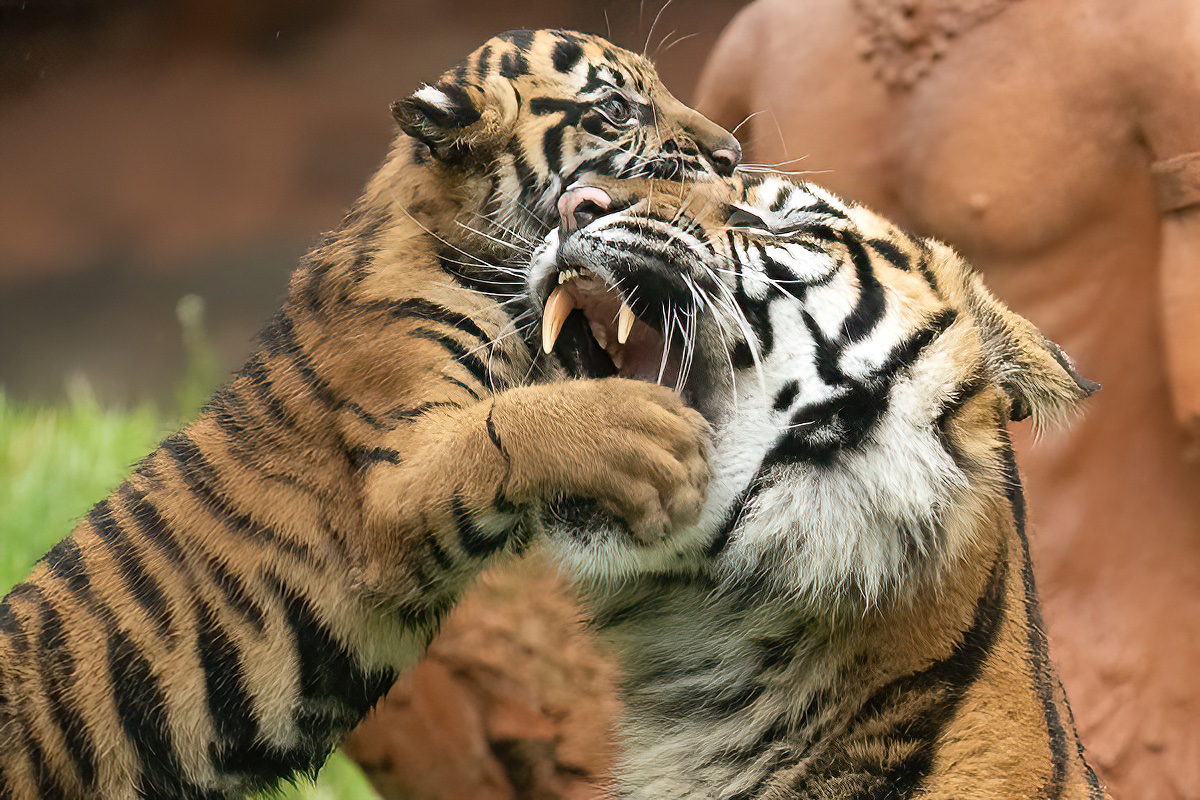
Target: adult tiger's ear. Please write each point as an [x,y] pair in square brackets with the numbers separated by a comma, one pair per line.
[1038,377]
[454,117]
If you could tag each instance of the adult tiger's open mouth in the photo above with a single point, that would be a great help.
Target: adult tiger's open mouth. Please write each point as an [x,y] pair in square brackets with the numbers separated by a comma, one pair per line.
[595,332]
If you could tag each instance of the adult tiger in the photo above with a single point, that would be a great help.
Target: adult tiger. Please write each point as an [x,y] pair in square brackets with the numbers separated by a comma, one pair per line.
[855,615]
[242,600]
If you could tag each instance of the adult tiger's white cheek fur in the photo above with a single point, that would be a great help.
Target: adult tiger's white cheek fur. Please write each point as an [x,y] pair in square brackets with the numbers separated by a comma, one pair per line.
[852,527]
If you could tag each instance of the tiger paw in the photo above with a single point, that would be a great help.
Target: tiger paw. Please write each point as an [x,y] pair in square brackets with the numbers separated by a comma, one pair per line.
[632,447]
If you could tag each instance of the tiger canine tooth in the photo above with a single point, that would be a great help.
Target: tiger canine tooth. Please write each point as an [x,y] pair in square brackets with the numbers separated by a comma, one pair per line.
[600,335]
[559,306]
[625,320]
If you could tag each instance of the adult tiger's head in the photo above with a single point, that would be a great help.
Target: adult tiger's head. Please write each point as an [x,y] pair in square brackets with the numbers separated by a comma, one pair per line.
[520,118]
[858,378]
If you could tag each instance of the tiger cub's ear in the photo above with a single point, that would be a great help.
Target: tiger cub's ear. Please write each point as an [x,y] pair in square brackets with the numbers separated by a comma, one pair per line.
[1033,371]
[455,117]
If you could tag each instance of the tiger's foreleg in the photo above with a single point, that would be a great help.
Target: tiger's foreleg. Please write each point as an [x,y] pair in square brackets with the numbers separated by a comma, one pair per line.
[459,487]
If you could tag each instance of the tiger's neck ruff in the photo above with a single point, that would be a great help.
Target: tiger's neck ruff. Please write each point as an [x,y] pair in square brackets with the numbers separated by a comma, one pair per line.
[855,615]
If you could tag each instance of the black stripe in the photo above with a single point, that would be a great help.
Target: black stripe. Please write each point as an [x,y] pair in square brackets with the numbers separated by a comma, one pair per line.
[941,687]
[65,561]
[894,255]
[10,627]
[786,396]
[530,181]
[280,338]
[522,38]
[906,353]
[552,148]
[229,701]
[440,557]
[462,111]
[143,587]
[493,434]
[456,382]
[420,308]
[513,64]
[566,54]
[571,110]
[947,414]
[826,354]
[265,763]
[328,671]
[475,541]
[48,786]
[408,414]
[462,355]
[149,523]
[871,299]
[57,668]
[781,197]
[733,515]
[817,432]
[363,457]
[142,709]
[235,592]
[926,272]
[824,208]
[483,61]
[1039,652]
[200,478]
[260,383]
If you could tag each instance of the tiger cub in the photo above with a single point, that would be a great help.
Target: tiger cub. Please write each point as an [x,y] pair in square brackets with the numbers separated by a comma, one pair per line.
[240,602]
[854,616]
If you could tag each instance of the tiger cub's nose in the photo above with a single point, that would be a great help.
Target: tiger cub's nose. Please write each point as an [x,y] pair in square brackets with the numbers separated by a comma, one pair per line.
[580,205]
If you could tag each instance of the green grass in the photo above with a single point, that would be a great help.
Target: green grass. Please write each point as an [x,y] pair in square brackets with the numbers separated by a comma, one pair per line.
[56,462]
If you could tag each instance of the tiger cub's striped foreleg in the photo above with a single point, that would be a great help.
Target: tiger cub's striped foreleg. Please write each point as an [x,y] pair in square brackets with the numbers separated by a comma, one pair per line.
[469,475]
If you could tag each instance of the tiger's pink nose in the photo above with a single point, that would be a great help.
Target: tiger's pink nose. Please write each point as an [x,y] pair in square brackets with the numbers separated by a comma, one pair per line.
[580,205]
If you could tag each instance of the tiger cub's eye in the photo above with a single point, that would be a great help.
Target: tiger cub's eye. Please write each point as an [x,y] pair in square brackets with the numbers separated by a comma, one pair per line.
[744,218]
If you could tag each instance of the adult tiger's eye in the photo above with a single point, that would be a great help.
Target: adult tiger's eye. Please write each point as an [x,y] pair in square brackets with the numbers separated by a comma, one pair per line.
[616,109]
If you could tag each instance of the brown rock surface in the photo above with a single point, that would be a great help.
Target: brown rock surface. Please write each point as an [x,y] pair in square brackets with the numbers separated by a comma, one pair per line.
[512,702]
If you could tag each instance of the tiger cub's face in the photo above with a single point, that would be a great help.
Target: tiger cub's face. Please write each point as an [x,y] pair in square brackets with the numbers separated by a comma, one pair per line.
[858,379]
[535,109]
